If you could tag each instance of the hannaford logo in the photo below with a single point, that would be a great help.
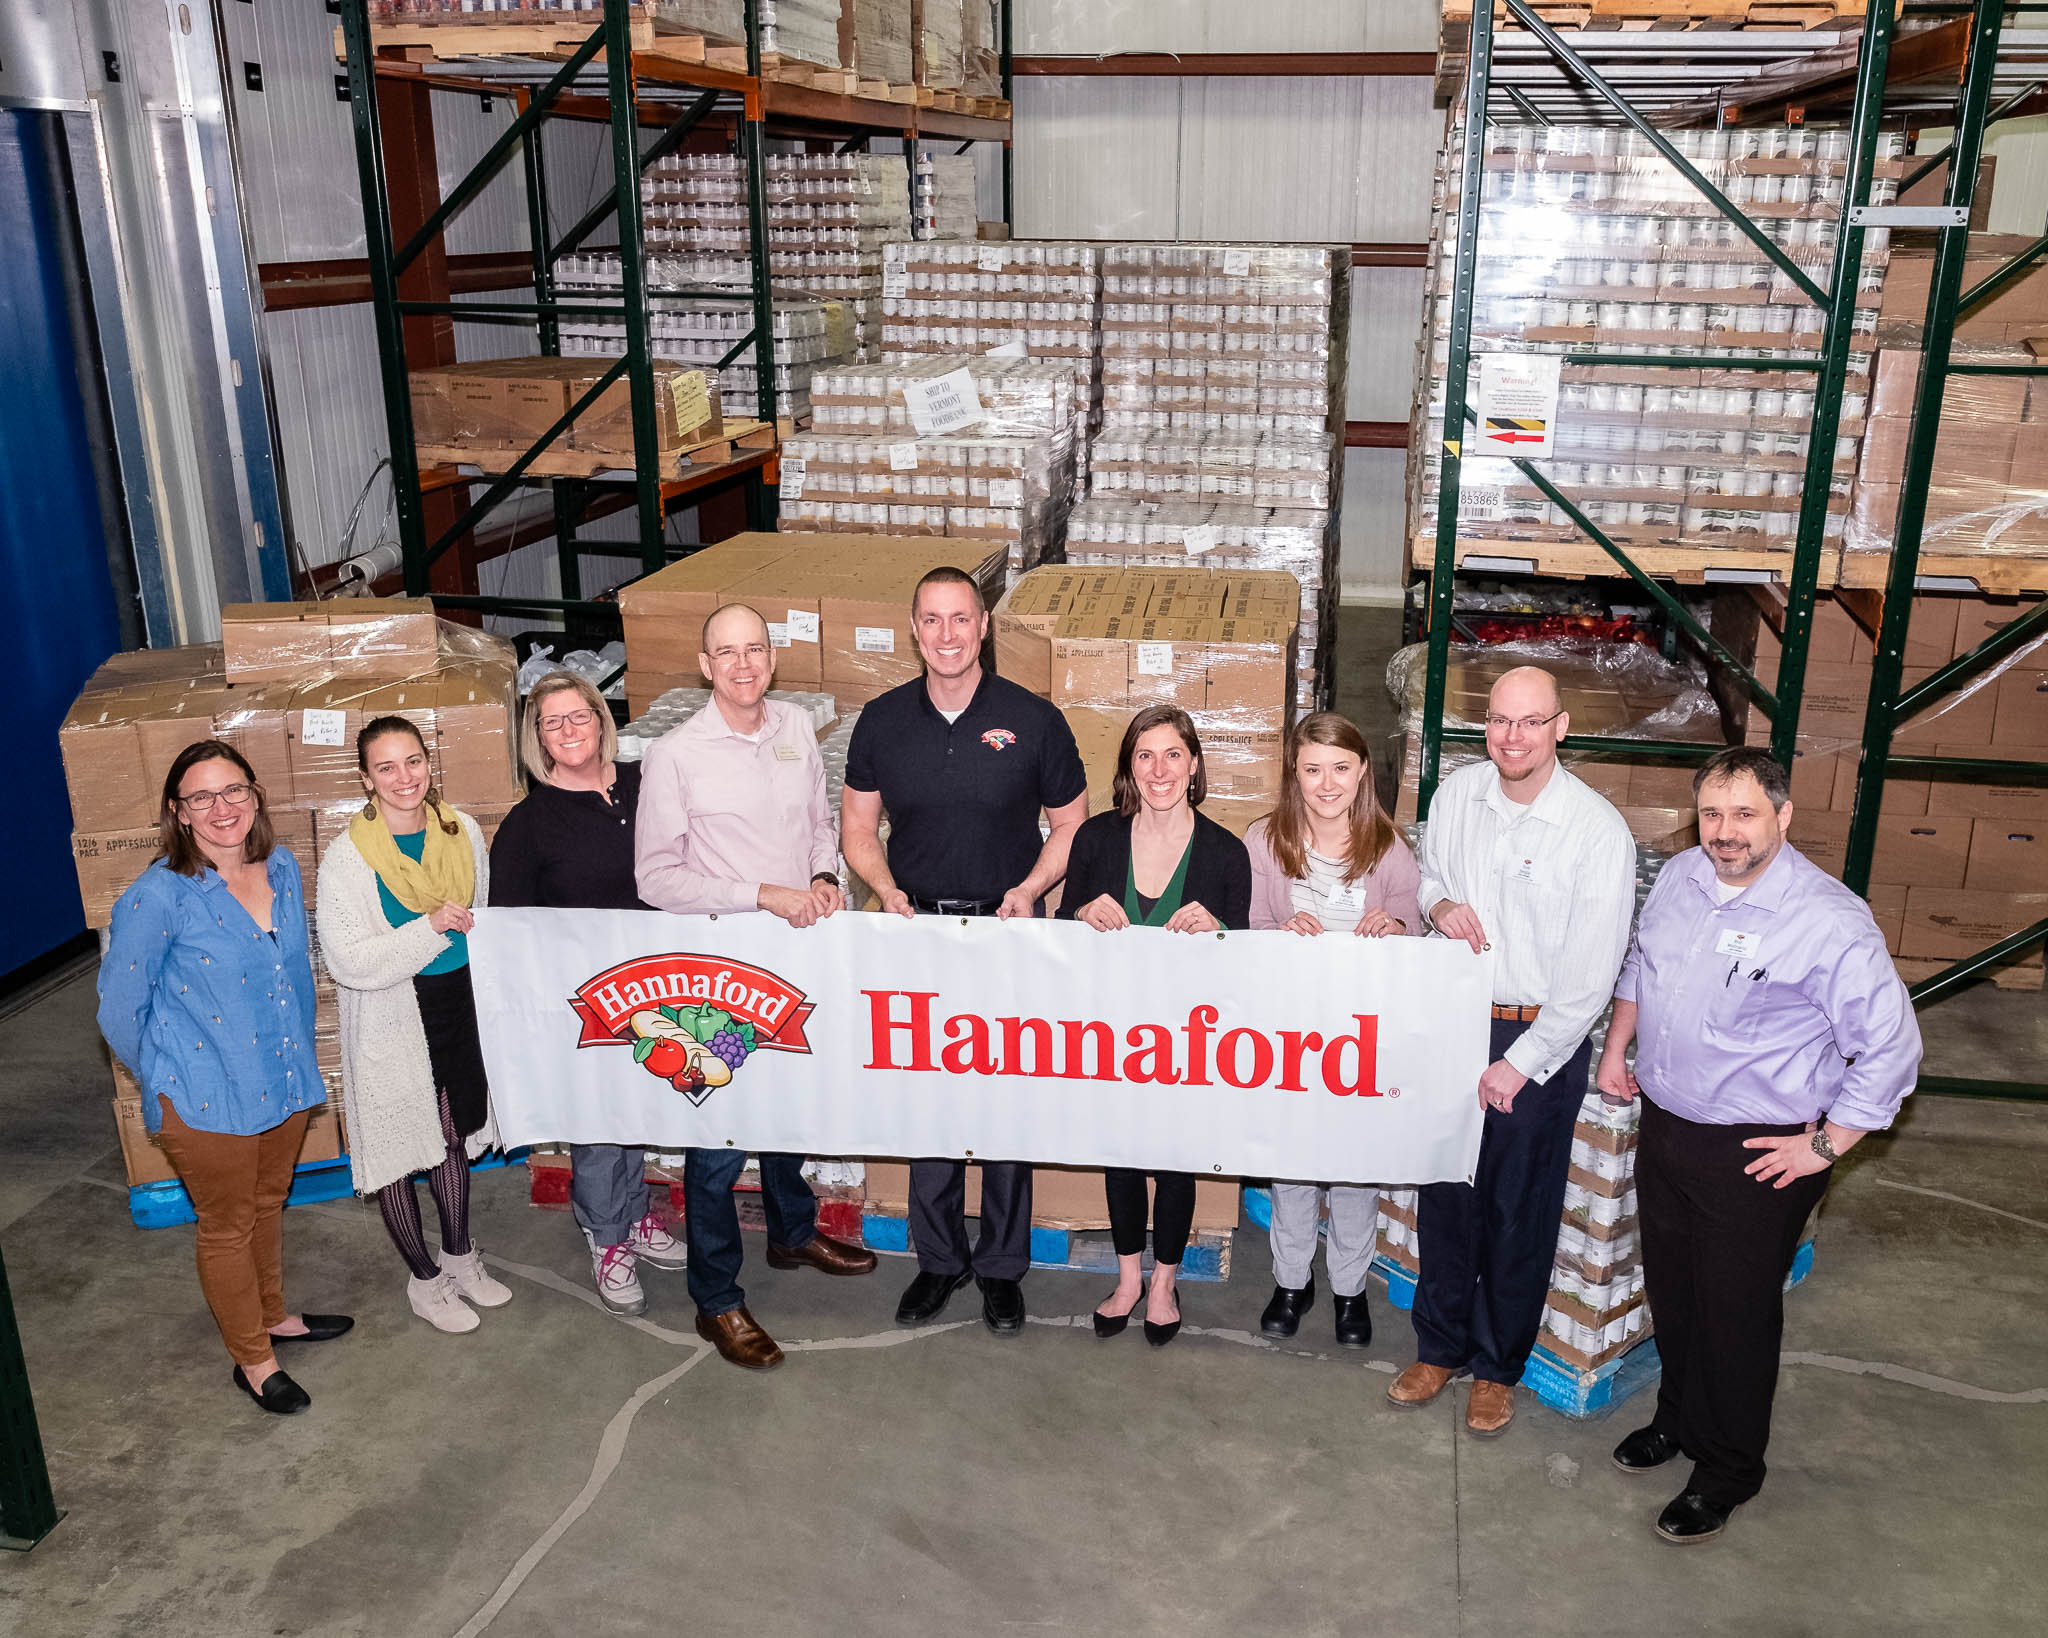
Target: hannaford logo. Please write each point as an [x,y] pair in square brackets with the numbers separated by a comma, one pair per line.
[691,1019]
[900,1036]
[999,739]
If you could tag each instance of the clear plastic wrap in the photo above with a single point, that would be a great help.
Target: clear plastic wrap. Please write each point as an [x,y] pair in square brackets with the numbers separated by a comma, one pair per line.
[504,406]
[1615,689]
[669,711]
[942,47]
[948,196]
[1043,296]
[807,30]
[1588,236]
[881,40]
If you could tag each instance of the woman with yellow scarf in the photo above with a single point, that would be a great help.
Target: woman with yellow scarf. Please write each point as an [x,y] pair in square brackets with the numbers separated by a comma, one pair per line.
[395,894]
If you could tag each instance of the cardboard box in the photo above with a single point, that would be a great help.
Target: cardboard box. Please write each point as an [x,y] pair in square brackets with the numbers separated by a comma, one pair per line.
[1903,798]
[1821,837]
[685,410]
[1887,903]
[269,642]
[2021,714]
[1955,796]
[475,707]
[146,1162]
[107,862]
[2008,856]
[1920,851]
[102,752]
[1067,1197]
[1979,618]
[380,637]
[1948,924]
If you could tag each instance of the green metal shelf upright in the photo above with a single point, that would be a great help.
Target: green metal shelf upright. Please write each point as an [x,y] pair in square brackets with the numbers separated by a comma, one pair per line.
[539,101]
[1889,707]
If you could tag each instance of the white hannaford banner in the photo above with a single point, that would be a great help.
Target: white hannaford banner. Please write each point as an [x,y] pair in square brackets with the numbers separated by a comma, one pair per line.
[1253,1054]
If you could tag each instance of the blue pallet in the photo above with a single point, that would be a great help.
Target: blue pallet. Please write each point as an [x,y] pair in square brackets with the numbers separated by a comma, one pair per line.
[1207,1256]
[166,1205]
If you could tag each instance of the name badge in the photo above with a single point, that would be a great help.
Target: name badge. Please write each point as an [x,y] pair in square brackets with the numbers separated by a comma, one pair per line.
[1734,942]
[785,753]
[1527,870]
[1347,897]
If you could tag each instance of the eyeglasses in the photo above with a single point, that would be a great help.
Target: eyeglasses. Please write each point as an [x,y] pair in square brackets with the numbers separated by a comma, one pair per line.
[1528,725]
[568,719]
[234,795]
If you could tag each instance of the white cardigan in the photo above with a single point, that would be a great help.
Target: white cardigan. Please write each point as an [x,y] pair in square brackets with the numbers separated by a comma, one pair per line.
[387,1080]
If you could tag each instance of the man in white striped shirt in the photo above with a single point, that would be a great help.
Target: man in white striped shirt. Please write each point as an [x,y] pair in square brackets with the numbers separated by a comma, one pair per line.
[1521,857]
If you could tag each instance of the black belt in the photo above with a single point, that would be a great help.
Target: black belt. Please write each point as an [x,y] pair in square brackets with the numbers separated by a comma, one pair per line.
[955,907]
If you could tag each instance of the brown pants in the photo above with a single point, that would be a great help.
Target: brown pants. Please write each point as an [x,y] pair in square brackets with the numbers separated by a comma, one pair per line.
[238,1186]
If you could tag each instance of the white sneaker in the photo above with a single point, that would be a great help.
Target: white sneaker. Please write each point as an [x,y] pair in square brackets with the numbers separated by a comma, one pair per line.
[618,1284]
[472,1282]
[438,1303]
[655,1246]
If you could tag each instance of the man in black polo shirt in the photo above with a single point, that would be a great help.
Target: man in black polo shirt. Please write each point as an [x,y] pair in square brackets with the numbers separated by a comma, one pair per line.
[962,760]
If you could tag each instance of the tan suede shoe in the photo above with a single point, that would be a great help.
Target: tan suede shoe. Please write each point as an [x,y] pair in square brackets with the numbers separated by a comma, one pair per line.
[1419,1384]
[1489,1409]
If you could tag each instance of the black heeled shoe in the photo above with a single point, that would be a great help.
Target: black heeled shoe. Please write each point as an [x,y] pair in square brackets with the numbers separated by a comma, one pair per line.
[1160,1335]
[319,1328]
[1108,1325]
[280,1395]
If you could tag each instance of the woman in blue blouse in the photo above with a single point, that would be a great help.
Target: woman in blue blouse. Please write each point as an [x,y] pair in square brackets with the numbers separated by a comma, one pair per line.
[206,994]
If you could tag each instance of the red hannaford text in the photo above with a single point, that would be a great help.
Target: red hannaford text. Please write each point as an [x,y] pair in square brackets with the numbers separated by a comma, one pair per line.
[901,1035]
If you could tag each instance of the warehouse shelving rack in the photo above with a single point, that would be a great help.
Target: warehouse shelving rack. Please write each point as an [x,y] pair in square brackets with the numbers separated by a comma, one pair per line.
[1976,43]
[674,91]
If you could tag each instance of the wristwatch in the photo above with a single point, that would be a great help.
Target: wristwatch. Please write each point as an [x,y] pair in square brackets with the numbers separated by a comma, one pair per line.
[826,877]
[1821,1146]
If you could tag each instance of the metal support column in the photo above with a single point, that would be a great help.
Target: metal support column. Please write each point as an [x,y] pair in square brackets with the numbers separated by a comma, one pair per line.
[753,138]
[625,135]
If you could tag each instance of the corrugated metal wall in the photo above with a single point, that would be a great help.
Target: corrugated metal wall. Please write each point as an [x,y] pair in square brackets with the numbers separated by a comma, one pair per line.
[1346,160]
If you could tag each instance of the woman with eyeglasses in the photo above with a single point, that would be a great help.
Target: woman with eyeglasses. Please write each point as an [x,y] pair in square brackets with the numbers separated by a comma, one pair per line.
[396,891]
[1153,860]
[569,846]
[206,994]
[1328,861]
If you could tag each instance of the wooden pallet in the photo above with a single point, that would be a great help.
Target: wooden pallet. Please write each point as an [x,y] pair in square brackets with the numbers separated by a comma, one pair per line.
[1993,573]
[959,102]
[885,91]
[458,37]
[1207,1257]
[737,437]
[838,82]
[1663,15]
[1582,560]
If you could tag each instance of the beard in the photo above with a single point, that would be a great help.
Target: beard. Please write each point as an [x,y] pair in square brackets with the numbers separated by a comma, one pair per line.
[1745,861]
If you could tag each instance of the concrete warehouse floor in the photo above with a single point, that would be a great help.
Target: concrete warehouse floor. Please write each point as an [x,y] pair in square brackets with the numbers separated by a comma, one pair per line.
[559,1470]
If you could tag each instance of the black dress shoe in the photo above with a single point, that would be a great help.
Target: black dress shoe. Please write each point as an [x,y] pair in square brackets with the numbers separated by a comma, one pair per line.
[1644,1449]
[1354,1324]
[319,1328]
[927,1296]
[1002,1306]
[1160,1335]
[1692,1518]
[281,1396]
[1282,1317]
[1112,1325]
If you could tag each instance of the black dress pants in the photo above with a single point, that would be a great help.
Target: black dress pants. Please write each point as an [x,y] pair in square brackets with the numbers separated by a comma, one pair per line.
[938,1219]
[1717,1247]
[1173,1212]
[1488,1246]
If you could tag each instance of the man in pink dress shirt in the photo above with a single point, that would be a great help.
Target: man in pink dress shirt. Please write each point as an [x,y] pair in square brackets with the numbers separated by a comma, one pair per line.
[1772,1032]
[733,818]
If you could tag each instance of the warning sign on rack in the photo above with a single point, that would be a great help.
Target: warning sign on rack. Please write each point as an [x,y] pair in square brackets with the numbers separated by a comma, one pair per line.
[1517,403]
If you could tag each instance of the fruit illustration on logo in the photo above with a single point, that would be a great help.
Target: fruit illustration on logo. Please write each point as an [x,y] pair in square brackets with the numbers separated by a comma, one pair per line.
[694,1048]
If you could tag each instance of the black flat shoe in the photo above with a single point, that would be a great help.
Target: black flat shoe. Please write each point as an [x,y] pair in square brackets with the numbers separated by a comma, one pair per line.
[1160,1335]
[319,1328]
[1002,1306]
[1354,1324]
[1644,1450]
[1112,1325]
[1691,1518]
[926,1298]
[1282,1317]
[281,1396]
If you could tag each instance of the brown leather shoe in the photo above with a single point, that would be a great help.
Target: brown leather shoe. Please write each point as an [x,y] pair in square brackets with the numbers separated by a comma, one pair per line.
[739,1339]
[1419,1384]
[1489,1409]
[825,1254]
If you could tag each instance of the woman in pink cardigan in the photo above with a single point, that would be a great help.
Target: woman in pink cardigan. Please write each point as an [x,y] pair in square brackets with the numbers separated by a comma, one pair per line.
[1328,860]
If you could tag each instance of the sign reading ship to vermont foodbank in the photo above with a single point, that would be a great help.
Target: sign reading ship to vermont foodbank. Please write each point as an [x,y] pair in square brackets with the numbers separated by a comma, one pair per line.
[1263,1054]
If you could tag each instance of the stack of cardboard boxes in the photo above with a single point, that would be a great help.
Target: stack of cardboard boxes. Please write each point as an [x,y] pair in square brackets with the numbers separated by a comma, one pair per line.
[1958,866]
[837,607]
[1221,645]
[492,413]
[289,686]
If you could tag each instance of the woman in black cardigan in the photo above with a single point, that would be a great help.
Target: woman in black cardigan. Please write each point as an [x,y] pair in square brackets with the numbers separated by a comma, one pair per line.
[1154,862]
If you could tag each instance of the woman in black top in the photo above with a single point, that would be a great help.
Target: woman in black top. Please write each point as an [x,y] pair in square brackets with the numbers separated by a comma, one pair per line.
[1154,862]
[569,846]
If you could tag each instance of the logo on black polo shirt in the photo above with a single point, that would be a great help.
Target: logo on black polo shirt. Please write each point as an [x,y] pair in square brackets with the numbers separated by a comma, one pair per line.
[691,1019]
[999,739]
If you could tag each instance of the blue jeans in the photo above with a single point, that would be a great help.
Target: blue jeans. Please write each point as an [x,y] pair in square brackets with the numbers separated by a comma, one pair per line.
[711,1219]
[607,1189]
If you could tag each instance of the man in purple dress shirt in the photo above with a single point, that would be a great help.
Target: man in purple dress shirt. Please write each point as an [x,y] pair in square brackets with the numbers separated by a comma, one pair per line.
[1772,1032]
